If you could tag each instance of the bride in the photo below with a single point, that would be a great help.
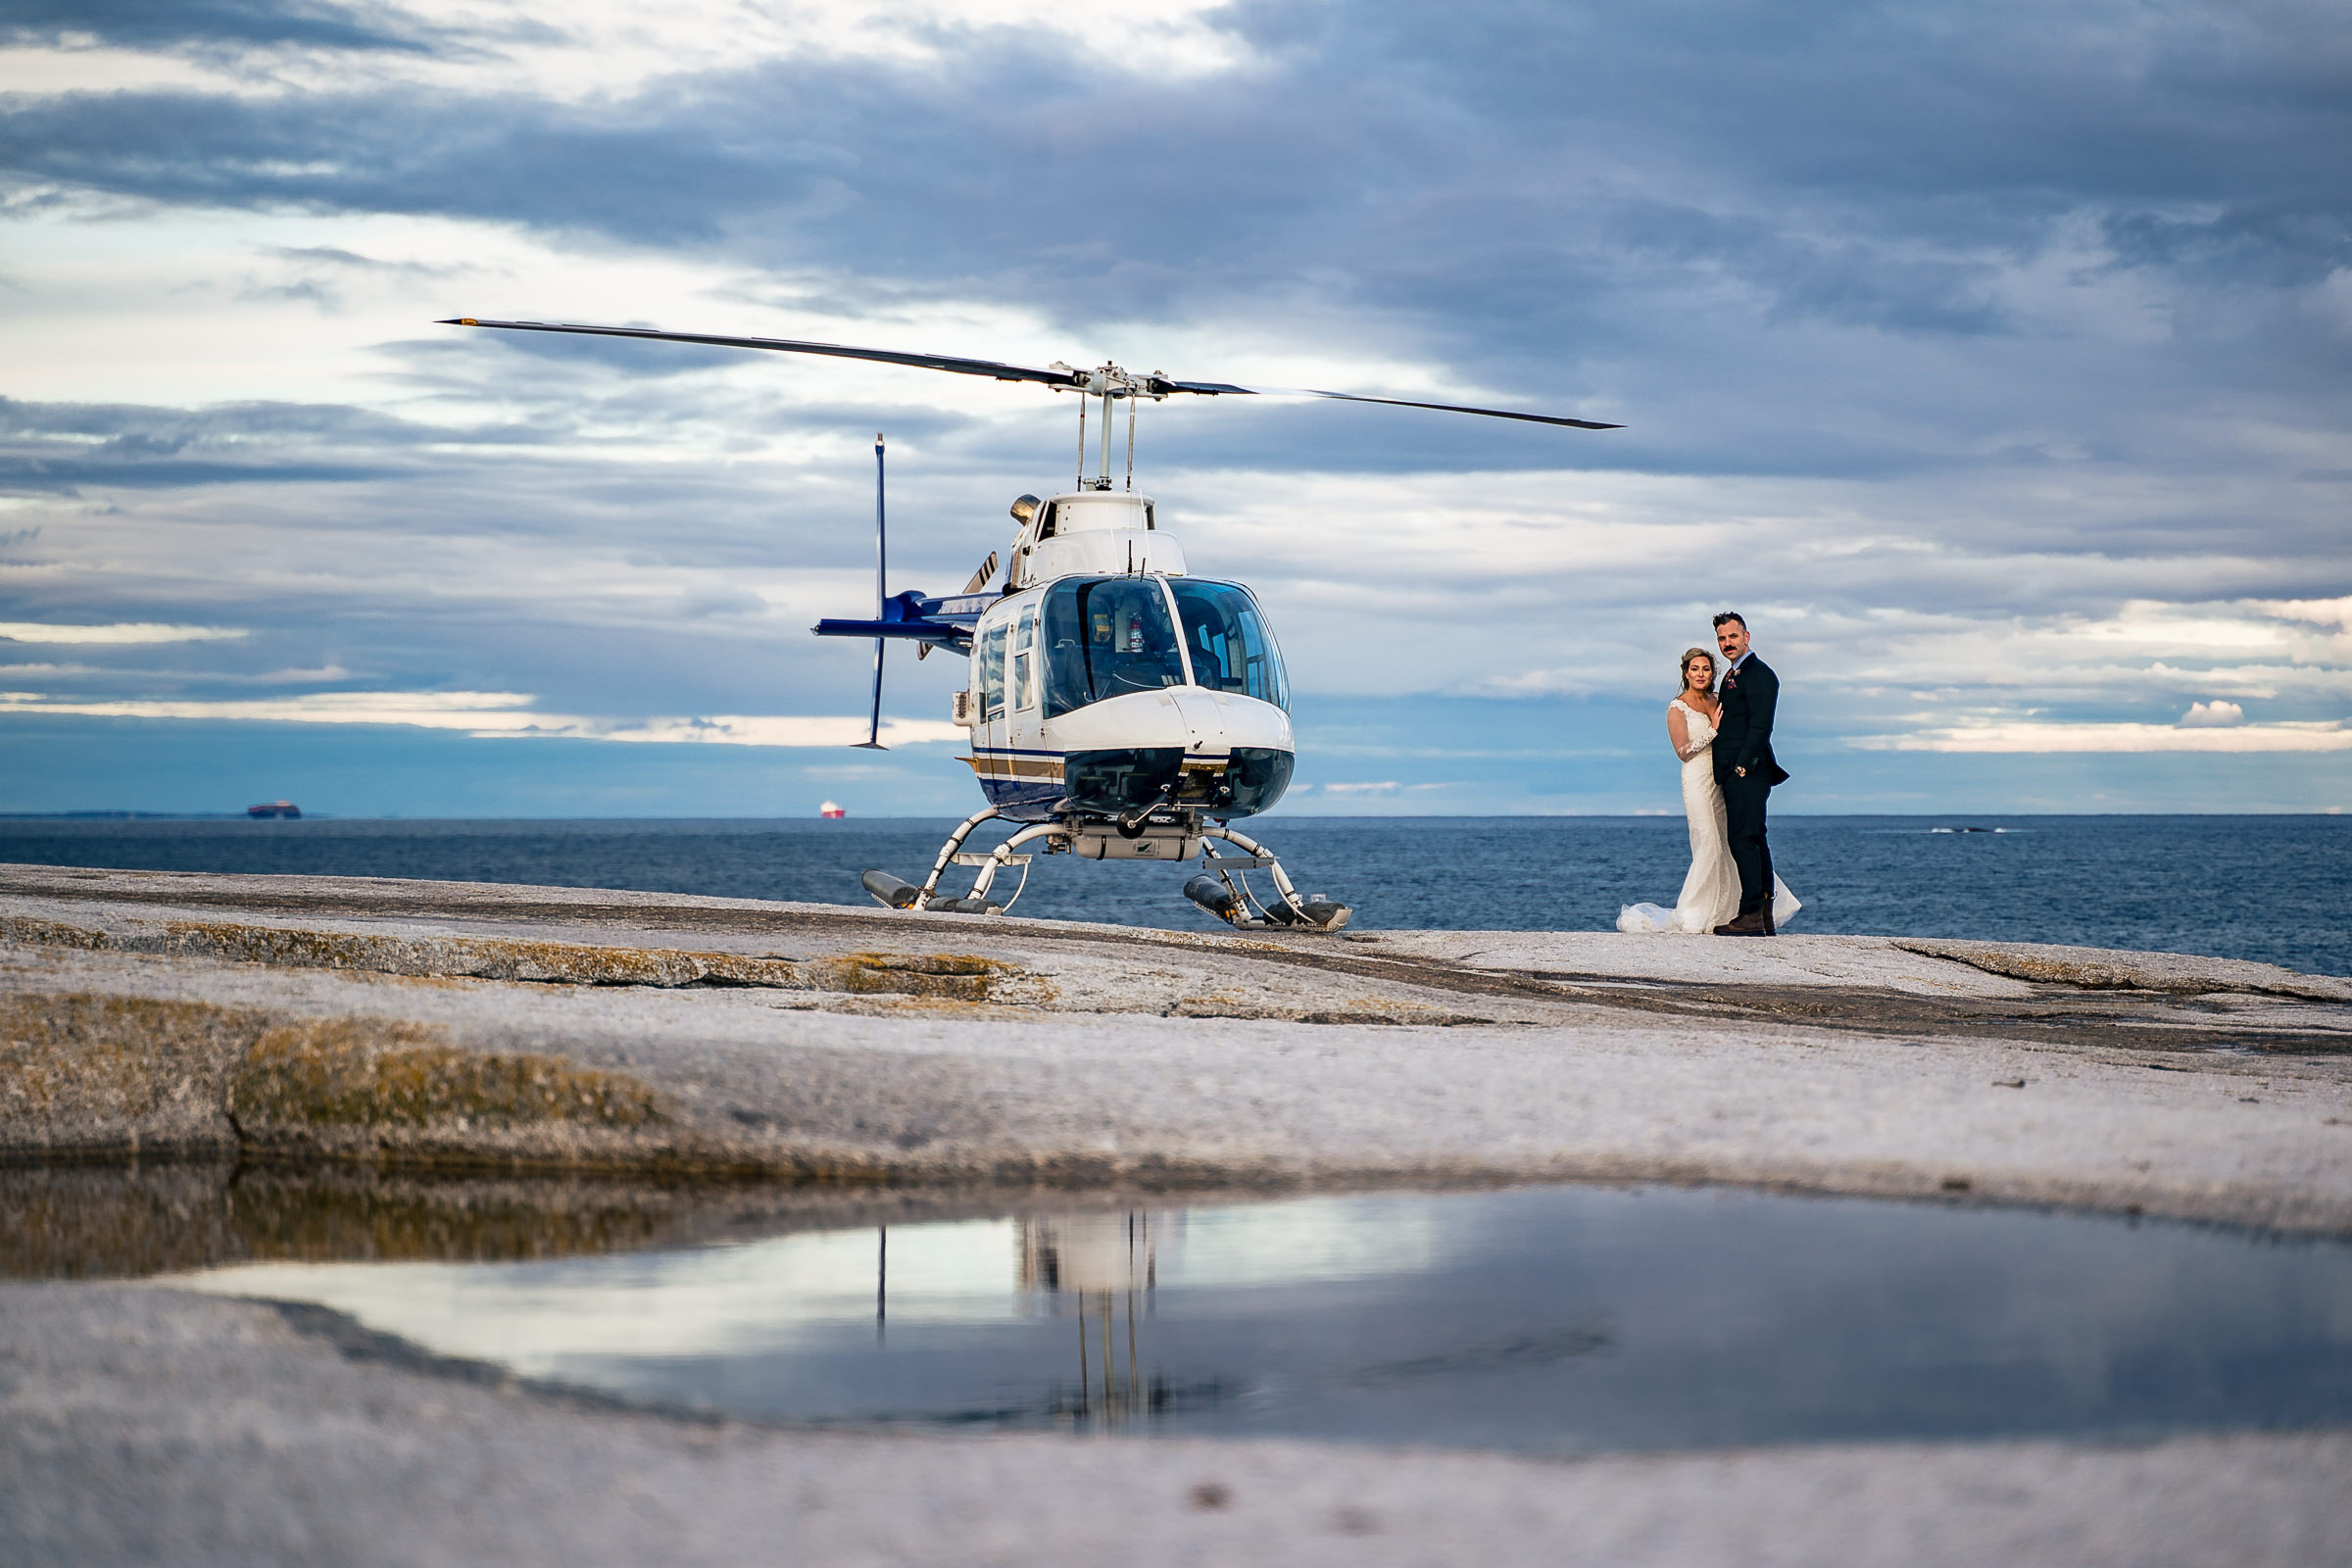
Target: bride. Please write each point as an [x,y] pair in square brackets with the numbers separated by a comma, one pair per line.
[1711,892]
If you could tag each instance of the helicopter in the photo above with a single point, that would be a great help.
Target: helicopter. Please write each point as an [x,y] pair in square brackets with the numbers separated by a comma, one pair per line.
[1120,708]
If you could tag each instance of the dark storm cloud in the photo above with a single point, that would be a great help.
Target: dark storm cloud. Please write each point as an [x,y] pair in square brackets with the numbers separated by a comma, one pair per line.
[2270,245]
[52,447]
[1903,102]
[519,479]
[1527,189]
[641,177]
[164,23]
[1775,239]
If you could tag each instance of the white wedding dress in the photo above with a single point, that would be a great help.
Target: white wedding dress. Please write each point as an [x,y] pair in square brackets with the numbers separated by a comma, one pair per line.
[1711,892]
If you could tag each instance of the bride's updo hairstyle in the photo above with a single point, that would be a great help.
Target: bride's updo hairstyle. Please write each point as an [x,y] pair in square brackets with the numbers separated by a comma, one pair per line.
[1681,672]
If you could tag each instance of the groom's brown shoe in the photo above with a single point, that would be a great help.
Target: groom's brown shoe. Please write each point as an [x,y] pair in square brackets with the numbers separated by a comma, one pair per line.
[1754,923]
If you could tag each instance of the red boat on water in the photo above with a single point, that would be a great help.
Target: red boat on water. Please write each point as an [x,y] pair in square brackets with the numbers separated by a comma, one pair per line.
[831,813]
[286,809]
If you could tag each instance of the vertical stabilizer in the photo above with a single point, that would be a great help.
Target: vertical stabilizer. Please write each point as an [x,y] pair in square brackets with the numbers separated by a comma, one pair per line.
[873,729]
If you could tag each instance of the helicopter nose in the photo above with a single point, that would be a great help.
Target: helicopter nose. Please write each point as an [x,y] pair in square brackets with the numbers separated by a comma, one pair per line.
[1216,722]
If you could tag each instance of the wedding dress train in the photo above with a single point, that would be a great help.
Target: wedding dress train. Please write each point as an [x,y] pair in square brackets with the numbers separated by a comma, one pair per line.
[1711,894]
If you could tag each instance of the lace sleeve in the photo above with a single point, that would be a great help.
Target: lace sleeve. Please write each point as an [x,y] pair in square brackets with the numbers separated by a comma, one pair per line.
[1677,731]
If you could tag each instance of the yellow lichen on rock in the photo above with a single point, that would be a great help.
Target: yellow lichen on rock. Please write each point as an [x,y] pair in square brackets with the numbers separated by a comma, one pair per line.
[952,976]
[1368,1010]
[2040,968]
[51,933]
[947,975]
[82,1072]
[83,1221]
[367,1073]
[479,958]
[2177,973]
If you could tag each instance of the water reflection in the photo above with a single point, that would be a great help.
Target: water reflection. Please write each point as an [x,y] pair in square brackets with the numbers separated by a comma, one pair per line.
[1110,1259]
[1558,1319]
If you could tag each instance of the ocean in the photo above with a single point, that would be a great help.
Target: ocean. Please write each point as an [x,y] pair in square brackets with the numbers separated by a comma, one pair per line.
[2278,889]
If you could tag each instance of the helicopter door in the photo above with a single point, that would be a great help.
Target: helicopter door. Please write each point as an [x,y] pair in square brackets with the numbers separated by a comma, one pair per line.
[1021,669]
[1021,683]
[987,737]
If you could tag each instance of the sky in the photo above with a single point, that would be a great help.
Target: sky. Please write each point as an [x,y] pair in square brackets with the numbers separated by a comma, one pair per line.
[1994,359]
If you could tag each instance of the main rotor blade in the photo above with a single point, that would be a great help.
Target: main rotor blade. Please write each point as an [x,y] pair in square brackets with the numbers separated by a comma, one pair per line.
[1063,378]
[1218,388]
[783,345]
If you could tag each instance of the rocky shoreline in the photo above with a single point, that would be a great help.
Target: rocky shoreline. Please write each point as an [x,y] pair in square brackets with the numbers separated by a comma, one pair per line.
[652,1070]
[402,1025]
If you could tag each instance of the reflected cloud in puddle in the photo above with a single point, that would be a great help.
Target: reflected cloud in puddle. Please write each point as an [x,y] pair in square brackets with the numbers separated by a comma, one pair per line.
[1557,1319]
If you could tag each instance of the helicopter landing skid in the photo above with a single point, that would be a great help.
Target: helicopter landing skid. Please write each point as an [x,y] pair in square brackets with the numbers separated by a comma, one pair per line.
[1222,888]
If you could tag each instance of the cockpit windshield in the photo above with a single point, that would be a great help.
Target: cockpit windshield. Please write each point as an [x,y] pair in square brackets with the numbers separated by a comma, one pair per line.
[1107,637]
[1110,636]
[1227,638]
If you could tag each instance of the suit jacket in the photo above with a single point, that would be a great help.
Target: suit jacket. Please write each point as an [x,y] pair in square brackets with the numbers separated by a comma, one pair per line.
[1743,734]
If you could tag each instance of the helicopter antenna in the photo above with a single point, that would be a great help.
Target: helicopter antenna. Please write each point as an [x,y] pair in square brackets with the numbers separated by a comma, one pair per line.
[1081,444]
[873,733]
[1131,443]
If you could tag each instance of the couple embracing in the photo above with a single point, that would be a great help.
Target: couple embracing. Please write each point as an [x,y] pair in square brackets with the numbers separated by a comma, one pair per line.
[1724,736]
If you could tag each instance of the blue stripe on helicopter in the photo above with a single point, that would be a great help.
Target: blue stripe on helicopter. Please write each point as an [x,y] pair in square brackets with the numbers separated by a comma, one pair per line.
[1063,754]
[1043,795]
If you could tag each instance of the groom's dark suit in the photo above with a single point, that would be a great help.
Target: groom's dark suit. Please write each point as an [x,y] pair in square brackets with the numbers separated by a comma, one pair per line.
[1743,740]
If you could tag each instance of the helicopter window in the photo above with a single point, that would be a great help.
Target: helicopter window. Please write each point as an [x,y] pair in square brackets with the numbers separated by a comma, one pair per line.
[1225,633]
[1107,637]
[991,673]
[1149,522]
[1024,660]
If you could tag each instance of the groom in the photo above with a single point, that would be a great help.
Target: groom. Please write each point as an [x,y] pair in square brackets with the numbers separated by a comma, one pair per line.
[1746,771]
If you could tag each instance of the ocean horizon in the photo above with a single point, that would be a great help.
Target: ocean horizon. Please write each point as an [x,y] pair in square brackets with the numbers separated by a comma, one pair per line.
[2270,887]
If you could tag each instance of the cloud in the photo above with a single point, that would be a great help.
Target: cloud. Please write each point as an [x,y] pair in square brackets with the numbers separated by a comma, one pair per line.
[493,716]
[142,631]
[1991,359]
[773,730]
[64,448]
[477,712]
[335,258]
[152,24]
[2029,736]
[1579,174]
[2215,715]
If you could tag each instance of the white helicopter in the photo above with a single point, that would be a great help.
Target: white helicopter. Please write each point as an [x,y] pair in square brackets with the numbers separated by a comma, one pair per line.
[1120,708]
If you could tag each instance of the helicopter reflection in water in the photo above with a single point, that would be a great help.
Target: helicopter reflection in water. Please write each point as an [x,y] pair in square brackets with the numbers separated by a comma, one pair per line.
[1552,1319]
[1106,1266]
[1100,1270]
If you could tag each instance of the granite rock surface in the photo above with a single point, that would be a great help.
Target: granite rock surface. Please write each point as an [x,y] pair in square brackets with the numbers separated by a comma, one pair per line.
[394,1024]
[412,1057]
[143,1427]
